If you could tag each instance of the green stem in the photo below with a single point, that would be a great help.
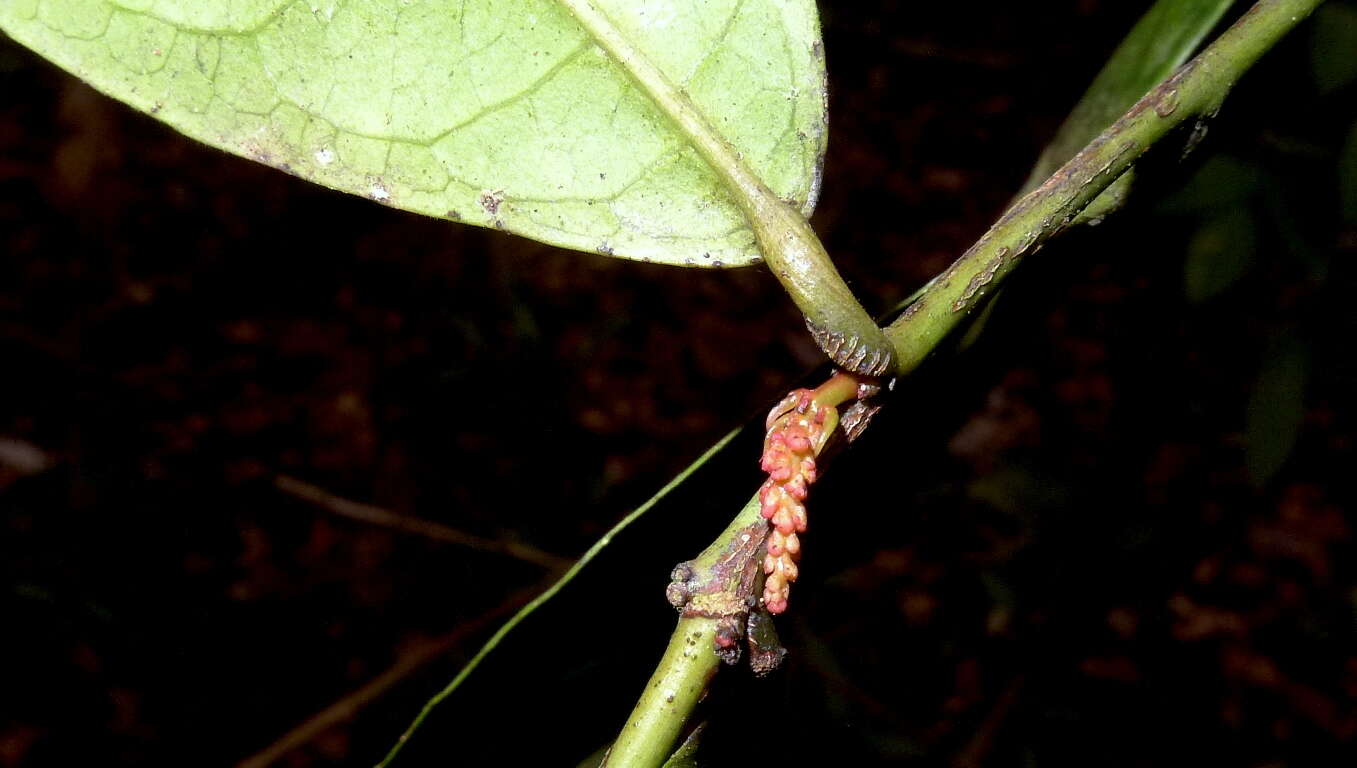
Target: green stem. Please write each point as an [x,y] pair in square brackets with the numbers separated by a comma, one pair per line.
[689,663]
[679,681]
[840,325]
[1195,92]
[1157,45]
[837,390]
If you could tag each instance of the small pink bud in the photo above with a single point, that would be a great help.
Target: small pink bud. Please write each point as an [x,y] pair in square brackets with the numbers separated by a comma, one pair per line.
[774,583]
[776,543]
[769,499]
[809,470]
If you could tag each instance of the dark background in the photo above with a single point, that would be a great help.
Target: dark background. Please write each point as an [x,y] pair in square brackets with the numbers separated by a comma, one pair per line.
[1114,532]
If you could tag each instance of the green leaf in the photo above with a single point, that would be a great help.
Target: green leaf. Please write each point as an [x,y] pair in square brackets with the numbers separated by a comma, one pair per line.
[595,760]
[1287,220]
[1158,44]
[1333,47]
[1347,177]
[499,113]
[687,754]
[1276,408]
[1219,253]
[1221,184]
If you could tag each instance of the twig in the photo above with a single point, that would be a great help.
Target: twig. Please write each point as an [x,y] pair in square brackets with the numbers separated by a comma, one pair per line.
[427,528]
[973,754]
[715,592]
[1158,44]
[550,592]
[1194,92]
[689,663]
[350,704]
[22,457]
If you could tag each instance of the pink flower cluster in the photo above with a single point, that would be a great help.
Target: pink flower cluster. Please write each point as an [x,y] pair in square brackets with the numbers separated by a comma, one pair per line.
[796,432]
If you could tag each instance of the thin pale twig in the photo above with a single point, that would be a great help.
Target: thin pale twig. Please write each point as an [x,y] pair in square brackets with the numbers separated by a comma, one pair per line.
[974,753]
[551,592]
[347,706]
[427,528]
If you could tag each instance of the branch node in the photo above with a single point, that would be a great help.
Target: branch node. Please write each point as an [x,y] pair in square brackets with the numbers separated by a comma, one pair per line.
[723,588]
[851,353]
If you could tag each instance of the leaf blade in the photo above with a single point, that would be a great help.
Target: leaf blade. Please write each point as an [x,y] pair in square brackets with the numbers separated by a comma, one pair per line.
[1276,408]
[500,114]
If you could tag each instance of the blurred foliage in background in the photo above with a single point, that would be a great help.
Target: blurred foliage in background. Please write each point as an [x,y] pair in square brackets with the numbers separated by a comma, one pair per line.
[1116,531]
